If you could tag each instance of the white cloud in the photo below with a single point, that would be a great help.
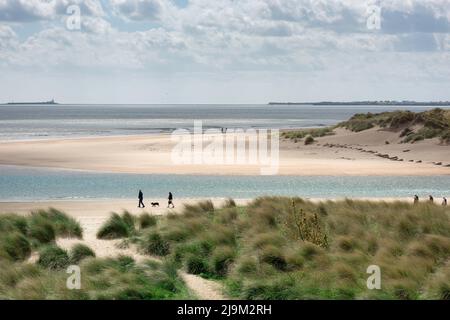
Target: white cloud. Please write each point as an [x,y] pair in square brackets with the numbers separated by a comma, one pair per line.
[35,10]
[319,40]
[140,10]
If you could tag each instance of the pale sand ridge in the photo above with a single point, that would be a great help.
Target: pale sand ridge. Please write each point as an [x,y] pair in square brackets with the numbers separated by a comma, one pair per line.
[331,155]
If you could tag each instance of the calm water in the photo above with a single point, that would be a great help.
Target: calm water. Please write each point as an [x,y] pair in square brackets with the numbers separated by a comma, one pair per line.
[21,184]
[47,121]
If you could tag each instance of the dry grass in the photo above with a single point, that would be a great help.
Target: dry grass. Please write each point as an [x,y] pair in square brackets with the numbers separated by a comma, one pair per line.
[288,248]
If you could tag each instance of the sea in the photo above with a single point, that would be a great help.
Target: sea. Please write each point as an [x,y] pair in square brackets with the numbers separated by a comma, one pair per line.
[28,122]
[24,122]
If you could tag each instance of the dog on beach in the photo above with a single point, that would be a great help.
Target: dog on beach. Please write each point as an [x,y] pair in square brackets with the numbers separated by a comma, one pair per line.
[155,204]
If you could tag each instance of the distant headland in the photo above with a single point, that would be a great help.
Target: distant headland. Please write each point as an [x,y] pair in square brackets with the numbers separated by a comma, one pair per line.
[368,103]
[33,103]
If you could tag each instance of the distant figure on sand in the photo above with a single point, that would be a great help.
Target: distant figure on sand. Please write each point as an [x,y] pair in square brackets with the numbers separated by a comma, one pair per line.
[141,199]
[431,198]
[444,201]
[416,199]
[170,202]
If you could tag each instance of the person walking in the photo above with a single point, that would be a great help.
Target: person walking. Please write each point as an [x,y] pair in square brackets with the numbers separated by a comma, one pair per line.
[141,199]
[416,199]
[170,201]
[431,198]
[444,201]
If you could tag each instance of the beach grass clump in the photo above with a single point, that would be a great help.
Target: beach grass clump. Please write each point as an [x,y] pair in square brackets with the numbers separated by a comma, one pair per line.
[41,231]
[196,264]
[110,279]
[439,285]
[221,260]
[63,225]
[123,279]
[20,235]
[12,222]
[155,244]
[146,220]
[314,133]
[117,226]
[229,203]
[79,252]
[200,208]
[53,257]
[309,139]
[15,246]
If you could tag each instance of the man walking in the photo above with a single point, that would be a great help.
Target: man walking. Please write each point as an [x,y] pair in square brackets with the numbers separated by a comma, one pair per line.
[141,199]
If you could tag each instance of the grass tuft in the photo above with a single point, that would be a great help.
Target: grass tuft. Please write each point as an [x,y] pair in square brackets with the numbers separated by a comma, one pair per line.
[117,227]
[80,252]
[53,257]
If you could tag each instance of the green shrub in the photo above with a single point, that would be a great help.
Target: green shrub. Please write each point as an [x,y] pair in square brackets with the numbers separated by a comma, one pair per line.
[80,252]
[53,257]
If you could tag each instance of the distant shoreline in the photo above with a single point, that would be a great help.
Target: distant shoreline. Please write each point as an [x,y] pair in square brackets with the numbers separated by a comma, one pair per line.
[51,102]
[368,103]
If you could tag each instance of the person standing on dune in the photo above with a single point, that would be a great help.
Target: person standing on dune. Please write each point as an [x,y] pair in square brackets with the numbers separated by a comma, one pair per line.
[141,199]
[444,201]
[170,201]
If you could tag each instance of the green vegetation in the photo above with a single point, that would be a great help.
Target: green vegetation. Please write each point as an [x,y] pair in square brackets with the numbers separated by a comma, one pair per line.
[283,248]
[434,123]
[118,278]
[146,220]
[273,248]
[53,257]
[80,252]
[125,225]
[112,279]
[309,139]
[117,227]
[19,235]
[296,135]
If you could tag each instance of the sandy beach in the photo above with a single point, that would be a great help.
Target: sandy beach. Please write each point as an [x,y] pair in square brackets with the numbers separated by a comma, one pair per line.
[100,207]
[345,153]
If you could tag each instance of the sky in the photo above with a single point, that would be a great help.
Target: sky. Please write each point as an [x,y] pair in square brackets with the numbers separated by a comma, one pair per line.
[224,51]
